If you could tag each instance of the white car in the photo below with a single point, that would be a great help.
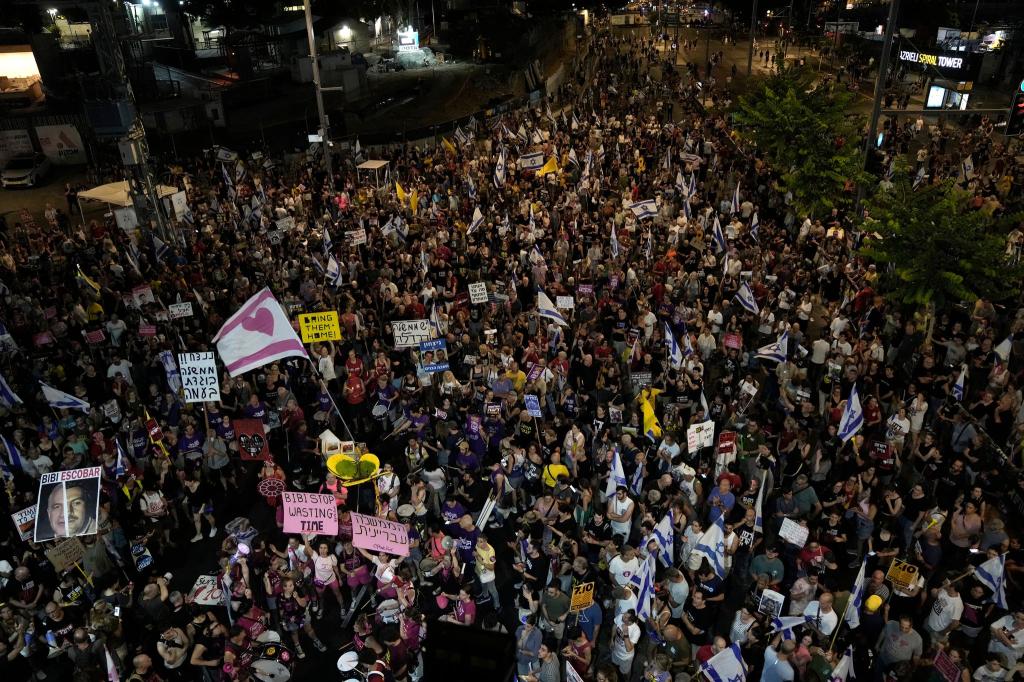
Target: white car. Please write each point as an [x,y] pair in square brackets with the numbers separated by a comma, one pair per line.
[24,170]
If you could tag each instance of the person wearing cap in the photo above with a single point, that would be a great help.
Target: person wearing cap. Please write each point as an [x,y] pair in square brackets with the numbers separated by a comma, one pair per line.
[768,564]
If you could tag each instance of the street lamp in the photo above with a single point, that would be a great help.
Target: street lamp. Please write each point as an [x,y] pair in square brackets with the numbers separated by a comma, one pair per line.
[53,16]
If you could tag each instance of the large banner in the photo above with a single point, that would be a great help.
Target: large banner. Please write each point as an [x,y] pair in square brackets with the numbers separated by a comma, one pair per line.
[62,144]
[69,504]
[410,333]
[379,535]
[310,513]
[14,142]
[199,377]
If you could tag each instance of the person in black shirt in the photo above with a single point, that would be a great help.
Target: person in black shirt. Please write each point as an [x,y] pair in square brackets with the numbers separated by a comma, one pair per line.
[596,533]
[697,619]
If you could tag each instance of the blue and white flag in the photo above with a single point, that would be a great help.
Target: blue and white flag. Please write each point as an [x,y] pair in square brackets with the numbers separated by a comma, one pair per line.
[160,249]
[575,121]
[585,175]
[521,133]
[711,545]
[919,178]
[63,401]
[636,485]
[615,243]
[240,172]
[7,396]
[616,477]
[545,308]
[687,344]
[718,237]
[746,299]
[435,322]
[500,170]
[856,597]
[13,456]
[991,575]
[478,220]
[333,271]
[693,183]
[171,371]
[958,387]
[736,199]
[775,351]
[1003,349]
[853,416]
[532,162]
[227,176]
[471,188]
[600,152]
[462,138]
[755,226]
[646,594]
[119,468]
[675,353]
[664,536]
[786,625]
[573,159]
[681,185]
[726,666]
[328,243]
[648,208]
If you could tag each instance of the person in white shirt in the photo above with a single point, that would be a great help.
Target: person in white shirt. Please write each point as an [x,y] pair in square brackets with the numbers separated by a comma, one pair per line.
[821,616]
[115,328]
[122,367]
[624,639]
[945,613]
[1008,637]
[624,566]
[994,669]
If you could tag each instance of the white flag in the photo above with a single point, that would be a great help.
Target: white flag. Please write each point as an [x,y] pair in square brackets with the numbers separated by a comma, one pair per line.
[545,308]
[61,400]
[853,416]
[259,333]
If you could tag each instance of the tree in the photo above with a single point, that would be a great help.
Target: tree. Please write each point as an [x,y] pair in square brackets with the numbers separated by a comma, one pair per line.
[804,132]
[935,249]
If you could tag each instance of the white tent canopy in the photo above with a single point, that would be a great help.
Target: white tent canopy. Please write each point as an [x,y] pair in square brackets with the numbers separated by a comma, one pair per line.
[116,193]
[373,166]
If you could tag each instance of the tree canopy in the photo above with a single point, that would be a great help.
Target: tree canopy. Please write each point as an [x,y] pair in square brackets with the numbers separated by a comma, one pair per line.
[935,248]
[804,133]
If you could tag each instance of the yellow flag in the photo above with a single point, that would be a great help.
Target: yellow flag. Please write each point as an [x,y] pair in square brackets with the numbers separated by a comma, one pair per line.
[414,200]
[448,145]
[641,165]
[400,192]
[550,167]
[652,427]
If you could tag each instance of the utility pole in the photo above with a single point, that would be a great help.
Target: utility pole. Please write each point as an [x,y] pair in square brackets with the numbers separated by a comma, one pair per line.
[753,25]
[324,137]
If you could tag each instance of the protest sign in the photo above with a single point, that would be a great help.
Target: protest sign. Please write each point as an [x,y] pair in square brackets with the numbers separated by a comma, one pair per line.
[95,336]
[252,440]
[379,535]
[356,237]
[771,603]
[585,290]
[25,521]
[66,554]
[793,533]
[199,377]
[43,339]
[902,574]
[147,330]
[310,513]
[732,340]
[178,310]
[142,295]
[532,405]
[582,596]
[640,379]
[565,302]
[206,591]
[700,436]
[478,292]
[433,356]
[410,333]
[323,326]
[70,501]
[285,224]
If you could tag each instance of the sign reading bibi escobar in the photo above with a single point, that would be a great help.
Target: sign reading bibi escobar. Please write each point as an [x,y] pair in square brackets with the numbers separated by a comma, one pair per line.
[310,513]
[69,504]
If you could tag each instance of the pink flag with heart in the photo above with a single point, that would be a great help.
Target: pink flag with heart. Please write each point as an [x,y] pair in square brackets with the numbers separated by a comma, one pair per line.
[259,333]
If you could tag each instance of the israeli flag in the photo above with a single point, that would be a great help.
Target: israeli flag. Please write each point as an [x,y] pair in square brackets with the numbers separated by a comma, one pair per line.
[328,244]
[435,322]
[573,159]
[686,209]
[636,486]
[13,456]
[758,508]
[63,401]
[600,152]
[615,243]
[726,666]
[521,133]
[471,188]
[958,387]
[693,183]
[333,271]
[119,468]
[919,178]
[585,175]
[478,220]
[545,308]
[687,344]
[1004,348]
[461,137]
[532,162]
[718,237]
[755,226]
[664,536]
[746,299]
[616,477]
[575,121]
[736,199]
[160,249]
[537,139]
[171,371]
[647,208]
[775,351]
[711,545]
[844,669]
[500,170]
[853,416]
[7,396]
[675,353]
[240,172]
[991,574]
[786,625]
[856,597]
[646,594]
[227,176]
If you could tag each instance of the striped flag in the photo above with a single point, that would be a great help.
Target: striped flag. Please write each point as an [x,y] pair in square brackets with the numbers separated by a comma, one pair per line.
[63,401]
[664,536]
[852,617]
[844,669]
[617,475]
[13,456]
[328,243]
[958,387]
[755,226]
[171,371]
[500,170]
[786,625]
[775,351]
[648,208]
[711,545]
[7,395]
[534,161]
[478,220]
[333,271]
[746,299]
[726,666]
[646,594]
[718,237]
[736,199]
[545,308]
[471,188]
[675,353]
[853,416]
[758,508]
[991,574]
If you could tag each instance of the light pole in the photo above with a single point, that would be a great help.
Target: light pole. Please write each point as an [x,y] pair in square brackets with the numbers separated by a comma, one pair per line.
[876,109]
[324,137]
[753,25]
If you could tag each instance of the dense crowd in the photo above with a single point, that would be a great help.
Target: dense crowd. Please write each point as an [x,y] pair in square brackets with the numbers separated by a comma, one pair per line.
[849,434]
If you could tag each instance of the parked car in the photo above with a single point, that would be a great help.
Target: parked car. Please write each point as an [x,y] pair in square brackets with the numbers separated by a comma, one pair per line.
[24,170]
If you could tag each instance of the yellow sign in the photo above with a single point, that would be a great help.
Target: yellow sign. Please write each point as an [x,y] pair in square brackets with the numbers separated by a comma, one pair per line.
[902,574]
[320,327]
[582,596]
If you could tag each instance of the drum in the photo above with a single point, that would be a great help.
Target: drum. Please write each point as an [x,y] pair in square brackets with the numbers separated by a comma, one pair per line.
[272,662]
[389,610]
[405,512]
[348,661]
[379,410]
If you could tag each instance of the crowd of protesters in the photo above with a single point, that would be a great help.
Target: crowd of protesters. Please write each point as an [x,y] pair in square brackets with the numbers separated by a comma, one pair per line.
[927,479]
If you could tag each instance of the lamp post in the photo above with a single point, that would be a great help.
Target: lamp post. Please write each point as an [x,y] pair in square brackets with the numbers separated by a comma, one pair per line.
[324,137]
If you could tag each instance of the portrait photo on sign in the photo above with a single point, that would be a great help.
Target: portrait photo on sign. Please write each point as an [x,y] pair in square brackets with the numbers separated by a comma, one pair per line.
[68,504]
[432,356]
